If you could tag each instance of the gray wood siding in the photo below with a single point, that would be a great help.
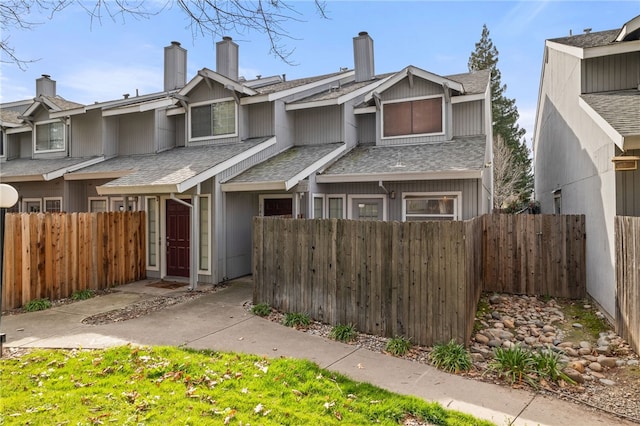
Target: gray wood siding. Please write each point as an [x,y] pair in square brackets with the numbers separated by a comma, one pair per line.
[111,128]
[166,131]
[25,143]
[349,125]
[260,120]
[181,135]
[240,210]
[468,118]
[86,134]
[366,128]
[136,133]
[203,93]
[471,201]
[628,190]
[284,125]
[403,90]
[611,73]
[318,125]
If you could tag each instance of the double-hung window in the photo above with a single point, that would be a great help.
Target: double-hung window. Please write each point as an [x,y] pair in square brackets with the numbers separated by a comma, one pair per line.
[328,206]
[50,136]
[412,117]
[213,120]
[431,206]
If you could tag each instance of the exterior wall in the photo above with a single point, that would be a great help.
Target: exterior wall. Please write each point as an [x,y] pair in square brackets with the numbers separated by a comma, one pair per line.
[614,72]
[181,129]
[14,144]
[468,118]
[26,144]
[284,126]
[573,155]
[366,128]
[318,125]
[86,134]
[110,130]
[204,93]
[166,131]
[136,133]
[240,208]
[349,124]
[260,120]
[628,191]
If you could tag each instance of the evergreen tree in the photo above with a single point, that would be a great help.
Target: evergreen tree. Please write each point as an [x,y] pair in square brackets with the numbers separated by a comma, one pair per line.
[504,114]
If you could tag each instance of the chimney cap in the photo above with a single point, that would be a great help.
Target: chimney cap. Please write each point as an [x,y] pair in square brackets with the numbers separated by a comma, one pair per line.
[46,76]
[175,43]
[227,38]
[363,33]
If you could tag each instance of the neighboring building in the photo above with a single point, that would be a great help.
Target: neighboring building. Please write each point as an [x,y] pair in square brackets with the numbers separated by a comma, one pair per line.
[588,115]
[219,149]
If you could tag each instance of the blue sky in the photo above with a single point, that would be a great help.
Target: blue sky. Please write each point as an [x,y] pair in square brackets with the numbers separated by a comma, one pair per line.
[98,62]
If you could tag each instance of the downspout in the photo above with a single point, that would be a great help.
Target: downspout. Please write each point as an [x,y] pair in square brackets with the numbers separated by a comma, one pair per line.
[193,237]
[388,204]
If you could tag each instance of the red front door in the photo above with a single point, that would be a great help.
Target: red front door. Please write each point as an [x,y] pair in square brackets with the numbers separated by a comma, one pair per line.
[178,220]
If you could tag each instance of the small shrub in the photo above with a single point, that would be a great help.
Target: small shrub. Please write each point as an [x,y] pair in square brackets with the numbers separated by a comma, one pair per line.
[515,364]
[398,346]
[451,357]
[37,305]
[83,294]
[296,319]
[548,366]
[261,310]
[343,333]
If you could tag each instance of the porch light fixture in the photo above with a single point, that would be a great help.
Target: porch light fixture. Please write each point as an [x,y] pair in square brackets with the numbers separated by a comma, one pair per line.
[625,162]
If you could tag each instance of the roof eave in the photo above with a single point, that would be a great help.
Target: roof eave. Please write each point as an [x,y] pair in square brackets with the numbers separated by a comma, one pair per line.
[409,176]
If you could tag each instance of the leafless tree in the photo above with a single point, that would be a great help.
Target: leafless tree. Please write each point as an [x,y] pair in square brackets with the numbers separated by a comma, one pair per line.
[506,174]
[206,17]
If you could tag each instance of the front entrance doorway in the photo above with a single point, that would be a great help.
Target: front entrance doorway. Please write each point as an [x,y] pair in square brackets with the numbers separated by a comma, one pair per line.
[178,231]
[282,207]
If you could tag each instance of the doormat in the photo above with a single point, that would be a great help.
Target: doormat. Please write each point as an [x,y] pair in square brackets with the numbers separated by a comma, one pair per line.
[170,285]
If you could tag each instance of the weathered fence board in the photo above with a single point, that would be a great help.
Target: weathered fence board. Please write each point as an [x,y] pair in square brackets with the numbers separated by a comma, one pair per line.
[419,280]
[53,255]
[627,235]
[535,254]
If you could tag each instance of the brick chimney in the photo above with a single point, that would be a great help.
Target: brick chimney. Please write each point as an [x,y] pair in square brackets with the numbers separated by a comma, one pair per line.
[363,57]
[227,58]
[175,66]
[45,86]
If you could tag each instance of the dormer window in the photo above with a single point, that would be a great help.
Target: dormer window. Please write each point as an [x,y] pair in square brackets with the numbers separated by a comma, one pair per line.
[50,136]
[213,120]
[413,117]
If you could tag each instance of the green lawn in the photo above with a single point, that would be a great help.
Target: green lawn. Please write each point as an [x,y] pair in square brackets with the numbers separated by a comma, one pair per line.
[155,385]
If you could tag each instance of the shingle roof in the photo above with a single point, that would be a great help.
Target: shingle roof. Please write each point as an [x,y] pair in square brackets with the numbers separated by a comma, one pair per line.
[10,117]
[170,167]
[24,167]
[592,39]
[342,90]
[287,164]
[621,109]
[290,84]
[460,154]
[473,82]
[62,103]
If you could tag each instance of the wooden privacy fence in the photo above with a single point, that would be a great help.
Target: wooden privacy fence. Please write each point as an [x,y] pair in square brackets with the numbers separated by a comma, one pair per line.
[389,278]
[627,235]
[535,254]
[417,279]
[53,255]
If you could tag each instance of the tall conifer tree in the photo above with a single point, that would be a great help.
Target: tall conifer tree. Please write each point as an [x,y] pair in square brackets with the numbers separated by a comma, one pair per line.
[504,114]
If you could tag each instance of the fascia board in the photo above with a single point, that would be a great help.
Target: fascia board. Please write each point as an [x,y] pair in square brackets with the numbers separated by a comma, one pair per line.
[313,104]
[20,129]
[616,137]
[136,189]
[278,185]
[612,49]
[238,87]
[68,112]
[389,177]
[365,110]
[207,174]
[467,98]
[114,174]
[147,106]
[22,178]
[34,106]
[61,172]
[176,111]
[425,75]
[48,103]
[315,166]
[284,93]
[577,52]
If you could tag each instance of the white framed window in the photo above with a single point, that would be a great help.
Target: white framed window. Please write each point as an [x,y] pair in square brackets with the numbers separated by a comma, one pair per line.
[117,204]
[98,204]
[204,263]
[49,136]
[417,206]
[53,204]
[367,207]
[275,205]
[210,120]
[153,233]
[331,206]
[413,117]
[31,205]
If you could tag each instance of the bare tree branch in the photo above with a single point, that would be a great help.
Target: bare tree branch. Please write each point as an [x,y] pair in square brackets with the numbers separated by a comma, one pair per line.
[507,173]
[206,17]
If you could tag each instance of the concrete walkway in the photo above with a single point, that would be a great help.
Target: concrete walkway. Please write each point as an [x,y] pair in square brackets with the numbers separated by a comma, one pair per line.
[219,321]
